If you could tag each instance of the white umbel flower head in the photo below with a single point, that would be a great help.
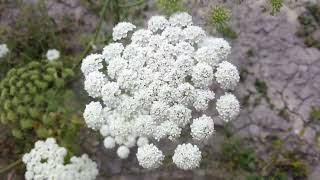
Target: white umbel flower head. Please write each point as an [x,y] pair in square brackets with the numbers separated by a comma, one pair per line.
[187,156]
[109,143]
[228,107]
[112,51]
[52,54]
[104,130]
[227,75]
[91,63]
[203,98]
[46,161]
[94,82]
[144,125]
[221,46]
[194,34]
[142,141]
[121,30]
[180,19]
[156,23]
[149,156]
[93,115]
[180,115]
[4,50]
[202,75]
[202,128]
[154,82]
[123,152]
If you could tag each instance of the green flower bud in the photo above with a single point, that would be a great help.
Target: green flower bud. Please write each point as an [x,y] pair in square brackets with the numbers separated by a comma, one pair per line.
[26,123]
[34,65]
[67,73]
[17,133]
[13,90]
[19,84]
[59,82]
[39,100]
[42,132]
[34,113]
[48,78]
[12,116]
[22,110]
[27,99]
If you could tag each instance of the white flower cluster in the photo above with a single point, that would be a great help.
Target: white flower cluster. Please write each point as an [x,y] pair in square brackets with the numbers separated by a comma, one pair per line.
[52,54]
[4,50]
[149,84]
[187,156]
[46,162]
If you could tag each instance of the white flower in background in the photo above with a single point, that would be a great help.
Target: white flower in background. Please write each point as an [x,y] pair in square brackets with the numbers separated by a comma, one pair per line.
[142,141]
[227,75]
[123,152]
[151,84]
[46,161]
[202,128]
[149,156]
[228,107]
[187,156]
[4,50]
[52,54]
[109,143]
[121,30]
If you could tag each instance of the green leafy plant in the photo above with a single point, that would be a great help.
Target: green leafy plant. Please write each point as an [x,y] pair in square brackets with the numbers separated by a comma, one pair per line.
[220,15]
[236,156]
[276,6]
[35,102]
[315,113]
[310,22]
[219,18]
[170,6]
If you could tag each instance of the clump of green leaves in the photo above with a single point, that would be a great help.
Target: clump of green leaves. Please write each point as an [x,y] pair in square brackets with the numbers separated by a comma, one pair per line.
[288,165]
[170,6]
[261,87]
[276,6]
[34,102]
[236,156]
[220,17]
[310,22]
[315,113]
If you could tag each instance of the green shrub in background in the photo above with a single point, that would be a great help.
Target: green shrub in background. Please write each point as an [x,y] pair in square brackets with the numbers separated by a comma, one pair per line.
[34,103]
[170,6]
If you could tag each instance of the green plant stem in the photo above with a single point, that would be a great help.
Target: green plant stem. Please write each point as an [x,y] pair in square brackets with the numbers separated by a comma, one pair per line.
[10,166]
[137,3]
[89,46]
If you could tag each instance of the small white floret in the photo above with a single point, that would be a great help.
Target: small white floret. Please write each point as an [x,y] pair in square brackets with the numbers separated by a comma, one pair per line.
[149,156]
[187,156]
[123,152]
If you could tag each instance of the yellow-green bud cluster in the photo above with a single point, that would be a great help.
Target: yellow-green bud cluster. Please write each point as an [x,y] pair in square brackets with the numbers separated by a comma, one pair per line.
[26,101]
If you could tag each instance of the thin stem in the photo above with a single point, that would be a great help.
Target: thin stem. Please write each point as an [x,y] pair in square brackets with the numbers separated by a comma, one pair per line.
[137,3]
[10,166]
[88,47]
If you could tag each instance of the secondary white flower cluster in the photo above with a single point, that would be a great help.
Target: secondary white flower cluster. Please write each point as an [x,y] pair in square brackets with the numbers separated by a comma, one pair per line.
[52,54]
[148,83]
[46,162]
[4,50]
